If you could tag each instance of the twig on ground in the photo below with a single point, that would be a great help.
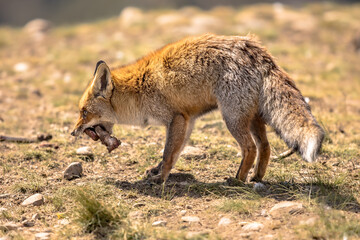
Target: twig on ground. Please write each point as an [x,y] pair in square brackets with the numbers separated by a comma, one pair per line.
[283,155]
[39,138]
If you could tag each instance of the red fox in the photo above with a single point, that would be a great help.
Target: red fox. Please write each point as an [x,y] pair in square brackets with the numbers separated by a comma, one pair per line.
[182,81]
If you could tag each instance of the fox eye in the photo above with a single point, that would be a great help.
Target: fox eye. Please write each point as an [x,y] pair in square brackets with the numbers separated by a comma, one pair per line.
[84,113]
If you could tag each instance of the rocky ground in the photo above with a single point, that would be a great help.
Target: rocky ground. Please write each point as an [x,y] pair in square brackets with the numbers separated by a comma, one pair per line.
[65,188]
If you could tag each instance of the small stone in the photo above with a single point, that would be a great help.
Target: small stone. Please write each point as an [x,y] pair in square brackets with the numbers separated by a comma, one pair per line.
[190,152]
[183,212]
[84,151]
[286,207]
[254,226]
[242,223]
[35,200]
[9,227]
[27,223]
[190,219]
[74,170]
[42,236]
[138,205]
[21,67]
[224,221]
[36,216]
[159,223]
[259,187]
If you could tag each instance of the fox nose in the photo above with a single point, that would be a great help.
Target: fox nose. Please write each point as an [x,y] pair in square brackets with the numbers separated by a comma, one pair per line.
[73,133]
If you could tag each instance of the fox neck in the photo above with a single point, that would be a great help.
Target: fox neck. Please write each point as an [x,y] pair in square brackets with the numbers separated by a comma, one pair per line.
[126,100]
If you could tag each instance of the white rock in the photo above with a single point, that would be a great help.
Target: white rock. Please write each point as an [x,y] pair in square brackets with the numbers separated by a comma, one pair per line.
[84,151]
[190,219]
[259,187]
[254,226]
[224,221]
[42,236]
[74,170]
[2,209]
[21,67]
[159,223]
[286,207]
[35,200]
[190,152]
[183,212]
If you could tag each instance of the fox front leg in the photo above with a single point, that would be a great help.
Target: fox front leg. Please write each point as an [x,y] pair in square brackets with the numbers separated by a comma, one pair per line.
[175,138]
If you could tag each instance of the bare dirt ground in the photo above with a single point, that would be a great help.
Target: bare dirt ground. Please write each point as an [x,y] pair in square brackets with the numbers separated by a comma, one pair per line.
[43,72]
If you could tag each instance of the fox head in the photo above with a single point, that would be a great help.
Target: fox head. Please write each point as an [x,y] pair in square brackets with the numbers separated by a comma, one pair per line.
[95,104]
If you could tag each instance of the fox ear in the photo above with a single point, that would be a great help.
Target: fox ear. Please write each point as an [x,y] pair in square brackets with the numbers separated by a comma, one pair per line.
[102,84]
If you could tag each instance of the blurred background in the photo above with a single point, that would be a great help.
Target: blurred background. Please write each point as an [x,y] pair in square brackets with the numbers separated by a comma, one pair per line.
[18,12]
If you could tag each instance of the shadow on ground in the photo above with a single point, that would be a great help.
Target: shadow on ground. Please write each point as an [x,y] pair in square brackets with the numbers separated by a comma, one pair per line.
[183,184]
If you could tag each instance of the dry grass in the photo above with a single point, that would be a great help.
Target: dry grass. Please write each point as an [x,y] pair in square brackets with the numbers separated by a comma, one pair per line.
[313,43]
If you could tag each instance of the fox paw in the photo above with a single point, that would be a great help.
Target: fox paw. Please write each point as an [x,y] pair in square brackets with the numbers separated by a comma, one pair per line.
[157,179]
[255,179]
[152,172]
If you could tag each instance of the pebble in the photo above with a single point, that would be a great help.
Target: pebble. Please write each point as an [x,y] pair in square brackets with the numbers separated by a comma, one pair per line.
[84,151]
[183,212]
[224,221]
[21,67]
[254,226]
[159,223]
[286,207]
[259,187]
[35,200]
[74,170]
[2,209]
[190,219]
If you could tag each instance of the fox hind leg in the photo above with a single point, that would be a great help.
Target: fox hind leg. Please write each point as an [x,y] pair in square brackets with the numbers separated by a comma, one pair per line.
[239,127]
[258,132]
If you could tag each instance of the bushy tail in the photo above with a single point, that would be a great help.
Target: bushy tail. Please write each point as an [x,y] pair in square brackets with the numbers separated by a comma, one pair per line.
[283,107]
